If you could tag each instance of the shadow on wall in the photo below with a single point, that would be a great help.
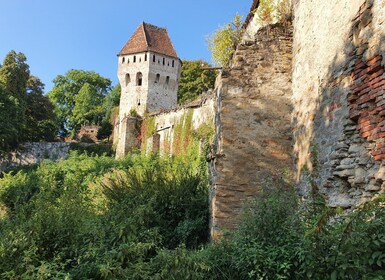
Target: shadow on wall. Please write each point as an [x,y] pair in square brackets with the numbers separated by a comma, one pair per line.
[348,132]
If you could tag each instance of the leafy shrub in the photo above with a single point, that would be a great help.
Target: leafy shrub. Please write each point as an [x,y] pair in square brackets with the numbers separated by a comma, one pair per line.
[97,218]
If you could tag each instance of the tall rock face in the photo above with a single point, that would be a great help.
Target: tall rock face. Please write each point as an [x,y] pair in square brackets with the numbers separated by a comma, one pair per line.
[253,116]
[338,97]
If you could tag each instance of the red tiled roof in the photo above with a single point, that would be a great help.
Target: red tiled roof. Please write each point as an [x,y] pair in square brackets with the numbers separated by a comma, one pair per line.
[148,37]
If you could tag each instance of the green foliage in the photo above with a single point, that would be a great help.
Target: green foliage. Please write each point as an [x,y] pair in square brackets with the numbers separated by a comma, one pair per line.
[266,11]
[25,113]
[41,122]
[99,149]
[269,11]
[14,74]
[97,218]
[223,42]
[78,97]
[105,130]
[88,106]
[194,80]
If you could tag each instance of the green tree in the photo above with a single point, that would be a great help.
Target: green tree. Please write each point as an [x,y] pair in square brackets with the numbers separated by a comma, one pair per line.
[194,80]
[67,87]
[223,42]
[14,74]
[41,122]
[88,106]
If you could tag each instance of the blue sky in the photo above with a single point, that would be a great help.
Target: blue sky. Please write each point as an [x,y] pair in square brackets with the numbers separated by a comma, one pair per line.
[59,35]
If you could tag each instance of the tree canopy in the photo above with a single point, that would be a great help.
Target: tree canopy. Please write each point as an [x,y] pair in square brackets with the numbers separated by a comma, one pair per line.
[194,80]
[223,42]
[25,113]
[41,122]
[78,97]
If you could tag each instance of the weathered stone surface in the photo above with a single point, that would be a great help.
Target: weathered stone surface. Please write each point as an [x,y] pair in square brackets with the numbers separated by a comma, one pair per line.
[33,153]
[338,93]
[253,125]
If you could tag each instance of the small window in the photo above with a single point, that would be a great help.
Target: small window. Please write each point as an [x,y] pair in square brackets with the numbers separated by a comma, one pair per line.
[167,80]
[153,58]
[157,78]
[128,60]
[164,61]
[140,59]
[145,57]
[134,58]
[138,102]
[123,59]
[139,79]
[127,79]
[173,63]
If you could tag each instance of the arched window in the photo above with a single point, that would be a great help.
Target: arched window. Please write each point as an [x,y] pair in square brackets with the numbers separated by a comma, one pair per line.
[173,63]
[123,59]
[167,80]
[134,58]
[153,58]
[139,79]
[127,79]
[164,60]
[157,78]
[145,57]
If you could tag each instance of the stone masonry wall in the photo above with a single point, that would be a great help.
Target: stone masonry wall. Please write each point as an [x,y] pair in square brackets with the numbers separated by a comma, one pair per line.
[252,124]
[33,153]
[338,94]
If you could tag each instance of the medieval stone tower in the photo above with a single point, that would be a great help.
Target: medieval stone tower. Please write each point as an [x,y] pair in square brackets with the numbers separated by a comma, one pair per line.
[148,71]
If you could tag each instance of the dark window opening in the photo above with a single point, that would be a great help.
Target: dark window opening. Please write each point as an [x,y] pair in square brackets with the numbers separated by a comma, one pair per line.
[139,79]
[140,59]
[167,80]
[134,58]
[153,58]
[138,102]
[173,63]
[123,59]
[145,57]
[164,60]
[157,78]
[127,79]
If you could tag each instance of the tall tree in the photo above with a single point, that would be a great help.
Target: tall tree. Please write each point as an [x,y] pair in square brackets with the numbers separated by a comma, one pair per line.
[14,74]
[194,80]
[41,122]
[64,96]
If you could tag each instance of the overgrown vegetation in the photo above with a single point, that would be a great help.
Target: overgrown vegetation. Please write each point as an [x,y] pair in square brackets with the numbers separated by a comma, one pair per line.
[25,113]
[97,218]
[147,218]
[223,42]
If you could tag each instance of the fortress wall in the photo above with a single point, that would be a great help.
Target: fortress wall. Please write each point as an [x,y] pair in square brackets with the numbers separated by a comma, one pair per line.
[338,97]
[165,124]
[33,153]
[253,110]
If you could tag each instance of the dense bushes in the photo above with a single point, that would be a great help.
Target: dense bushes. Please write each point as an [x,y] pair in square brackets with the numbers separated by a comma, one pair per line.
[97,218]
[147,218]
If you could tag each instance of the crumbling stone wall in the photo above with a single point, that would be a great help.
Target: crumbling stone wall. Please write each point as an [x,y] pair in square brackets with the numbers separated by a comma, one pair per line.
[33,153]
[338,94]
[253,128]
